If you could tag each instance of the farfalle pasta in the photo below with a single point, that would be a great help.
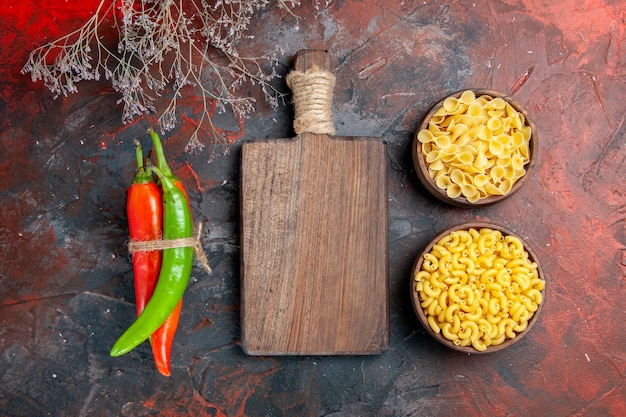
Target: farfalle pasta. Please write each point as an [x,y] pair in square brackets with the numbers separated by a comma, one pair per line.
[478,287]
[476,147]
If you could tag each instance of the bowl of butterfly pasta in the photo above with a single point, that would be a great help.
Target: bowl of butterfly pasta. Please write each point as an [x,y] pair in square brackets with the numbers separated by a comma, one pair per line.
[477,288]
[474,148]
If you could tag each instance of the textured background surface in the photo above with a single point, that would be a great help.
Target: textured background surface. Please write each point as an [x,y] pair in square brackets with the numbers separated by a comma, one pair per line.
[66,281]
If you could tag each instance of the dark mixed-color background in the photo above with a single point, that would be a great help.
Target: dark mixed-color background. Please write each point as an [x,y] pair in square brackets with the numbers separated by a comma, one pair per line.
[66,289]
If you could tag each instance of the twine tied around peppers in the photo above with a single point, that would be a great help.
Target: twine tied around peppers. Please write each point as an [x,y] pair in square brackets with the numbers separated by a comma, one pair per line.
[160,244]
[312,95]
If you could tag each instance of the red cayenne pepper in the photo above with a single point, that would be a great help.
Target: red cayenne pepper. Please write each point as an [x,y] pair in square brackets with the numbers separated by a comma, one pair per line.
[145,223]
[163,339]
[145,220]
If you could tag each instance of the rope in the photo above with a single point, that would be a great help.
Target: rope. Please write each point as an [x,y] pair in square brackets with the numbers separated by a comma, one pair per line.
[161,244]
[312,98]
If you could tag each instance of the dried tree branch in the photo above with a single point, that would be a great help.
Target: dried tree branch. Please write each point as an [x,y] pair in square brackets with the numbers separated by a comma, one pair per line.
[164,46]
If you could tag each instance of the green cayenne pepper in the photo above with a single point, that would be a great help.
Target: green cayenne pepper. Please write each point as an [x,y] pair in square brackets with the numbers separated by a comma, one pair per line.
[175,269]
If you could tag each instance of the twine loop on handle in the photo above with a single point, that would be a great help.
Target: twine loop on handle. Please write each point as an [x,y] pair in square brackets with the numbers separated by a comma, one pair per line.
[312,95]
[161,244]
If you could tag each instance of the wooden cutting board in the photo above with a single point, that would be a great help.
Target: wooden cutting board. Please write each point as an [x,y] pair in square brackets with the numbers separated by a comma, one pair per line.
[314,230]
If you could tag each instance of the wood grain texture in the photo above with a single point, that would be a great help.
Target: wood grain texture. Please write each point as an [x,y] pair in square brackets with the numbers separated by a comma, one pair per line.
[309,58]
[314,258]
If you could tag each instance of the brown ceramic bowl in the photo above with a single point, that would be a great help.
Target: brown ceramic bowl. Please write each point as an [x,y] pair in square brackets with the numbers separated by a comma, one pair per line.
[423,316]
[421,166]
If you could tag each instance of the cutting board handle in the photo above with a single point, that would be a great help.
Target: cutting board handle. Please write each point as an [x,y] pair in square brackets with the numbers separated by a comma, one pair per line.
[312,82]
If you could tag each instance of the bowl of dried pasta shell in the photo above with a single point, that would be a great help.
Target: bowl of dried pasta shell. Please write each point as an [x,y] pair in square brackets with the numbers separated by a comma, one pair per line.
[477,288]
[475,148]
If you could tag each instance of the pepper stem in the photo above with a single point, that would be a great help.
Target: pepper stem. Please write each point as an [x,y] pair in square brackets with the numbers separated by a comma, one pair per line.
[160,154]
[141,177]
[139,156]
[166,182]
